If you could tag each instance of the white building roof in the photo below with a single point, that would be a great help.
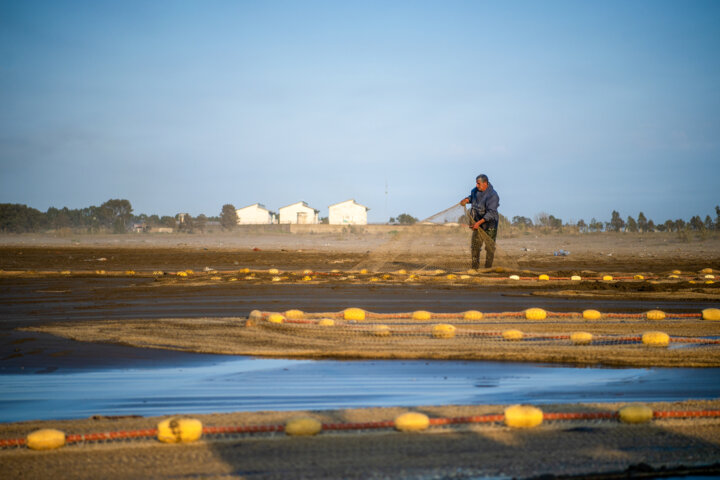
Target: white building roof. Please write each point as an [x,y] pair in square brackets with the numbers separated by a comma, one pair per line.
[346,201]
[304,204]
[259,205]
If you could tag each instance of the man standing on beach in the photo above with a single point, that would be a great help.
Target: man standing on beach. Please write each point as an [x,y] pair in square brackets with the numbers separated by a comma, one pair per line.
[484,217]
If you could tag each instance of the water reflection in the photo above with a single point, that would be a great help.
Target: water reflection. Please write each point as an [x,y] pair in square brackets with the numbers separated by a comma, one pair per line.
[223,384]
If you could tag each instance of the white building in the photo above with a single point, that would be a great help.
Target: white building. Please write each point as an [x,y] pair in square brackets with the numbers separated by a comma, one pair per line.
[254,214]
[298,212]
[348,212]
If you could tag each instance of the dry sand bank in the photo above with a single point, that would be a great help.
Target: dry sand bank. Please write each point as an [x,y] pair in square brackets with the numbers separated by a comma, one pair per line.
[237,336]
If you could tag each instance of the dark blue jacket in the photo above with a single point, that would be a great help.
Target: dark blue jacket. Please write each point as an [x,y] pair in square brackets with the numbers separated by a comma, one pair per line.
[485,205]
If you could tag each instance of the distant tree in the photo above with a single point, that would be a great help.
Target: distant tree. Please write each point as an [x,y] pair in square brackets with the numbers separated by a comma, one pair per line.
[582,226]
[669,225]
[115,214]
[406,219]
[650,226]
[616,223]
[717,217]
[642,223]
[696,223]
[16,218]
[201,222]
[679,224]
[709,223]
[522,222]
[185,222]
[542,219]
[228,217]
[392,220]
[661,227]
[168,222]
[324,220]
[595,226]
[555,222]
[631,225]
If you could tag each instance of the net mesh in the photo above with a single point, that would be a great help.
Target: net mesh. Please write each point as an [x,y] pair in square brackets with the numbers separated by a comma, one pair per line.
[441,241]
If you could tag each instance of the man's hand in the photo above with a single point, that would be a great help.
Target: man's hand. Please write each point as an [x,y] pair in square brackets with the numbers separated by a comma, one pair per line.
[464,201]
[477,224]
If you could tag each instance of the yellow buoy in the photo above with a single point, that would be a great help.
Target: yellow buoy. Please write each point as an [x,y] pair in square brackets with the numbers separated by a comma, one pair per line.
[66,272]
[177,430]
[326,322]
[306,278]
[607,278]
[673,276]
[443,330]
[412,422]
[244,270]
[402,271]
[711,314]
[709,282]
[656,339]
[544,277]
[592,315]
[639,277]
[676,272]
[302,426]
[523,416]
[216,278]
[514,277]
[439,272]
[129,272]
[421,315]
[276,318]
[45,439]
[472,315]
[102,272]
[635,414]
[363,271]
[581,338]
[535,314]
[706,270]
[512,334]
[464,277]
[181,274]
[374,279]
[576,278]
[294,315]
[189,271]
[451,276]
[357,314]
[655,315]
[709,277]
[276,279]
[273,271]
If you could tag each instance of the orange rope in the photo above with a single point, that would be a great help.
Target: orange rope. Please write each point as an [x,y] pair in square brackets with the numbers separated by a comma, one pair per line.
[341,426]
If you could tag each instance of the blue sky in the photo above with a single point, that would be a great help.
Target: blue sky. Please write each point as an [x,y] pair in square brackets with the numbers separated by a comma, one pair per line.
[571,108]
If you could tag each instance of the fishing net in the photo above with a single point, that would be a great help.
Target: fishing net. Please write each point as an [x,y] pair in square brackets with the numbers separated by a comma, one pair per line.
[439,242]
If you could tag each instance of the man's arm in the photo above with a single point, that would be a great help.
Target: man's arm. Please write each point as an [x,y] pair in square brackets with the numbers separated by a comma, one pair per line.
[468,199]
[491,209]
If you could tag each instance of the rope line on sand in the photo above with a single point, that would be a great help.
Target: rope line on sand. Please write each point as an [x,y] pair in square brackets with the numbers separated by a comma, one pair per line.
[212,431]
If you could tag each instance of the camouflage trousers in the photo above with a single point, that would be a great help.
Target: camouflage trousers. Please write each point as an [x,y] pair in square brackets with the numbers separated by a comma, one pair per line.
[478,238]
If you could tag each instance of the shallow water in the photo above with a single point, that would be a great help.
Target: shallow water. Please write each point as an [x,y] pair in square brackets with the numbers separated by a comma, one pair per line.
[207,383]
